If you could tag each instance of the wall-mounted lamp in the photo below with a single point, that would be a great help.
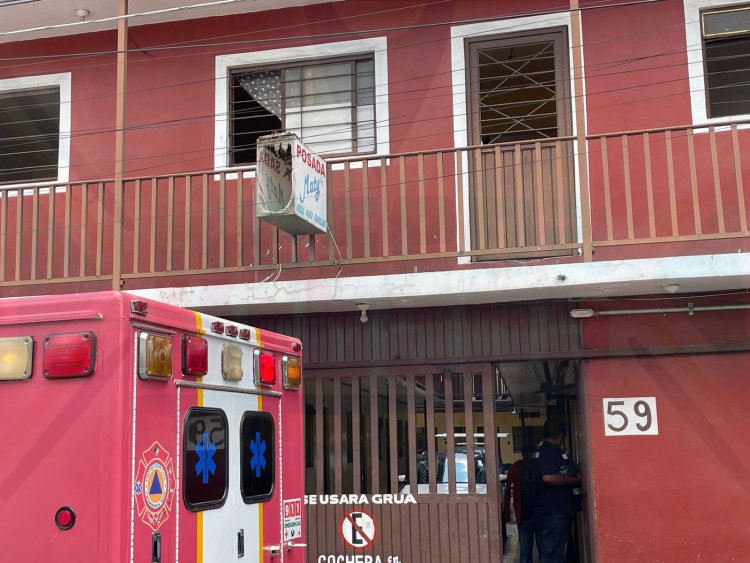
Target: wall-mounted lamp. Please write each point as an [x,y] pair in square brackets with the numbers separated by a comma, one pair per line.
[363,307]
[83,13]
[582,313]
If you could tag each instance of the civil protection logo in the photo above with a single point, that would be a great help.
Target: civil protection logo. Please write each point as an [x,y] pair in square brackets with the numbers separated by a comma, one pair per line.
[154,486]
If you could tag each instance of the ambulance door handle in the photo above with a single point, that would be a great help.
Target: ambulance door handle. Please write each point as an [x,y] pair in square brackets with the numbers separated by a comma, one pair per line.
[156,547]
[241,543]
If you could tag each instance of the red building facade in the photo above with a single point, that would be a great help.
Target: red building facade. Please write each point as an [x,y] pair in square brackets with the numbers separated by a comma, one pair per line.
[489,166]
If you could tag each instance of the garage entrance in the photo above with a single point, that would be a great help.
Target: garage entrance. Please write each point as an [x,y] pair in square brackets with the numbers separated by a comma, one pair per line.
[398,409]
[413,449]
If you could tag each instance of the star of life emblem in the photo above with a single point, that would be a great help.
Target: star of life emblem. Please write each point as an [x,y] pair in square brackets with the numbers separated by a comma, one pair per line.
[154,486]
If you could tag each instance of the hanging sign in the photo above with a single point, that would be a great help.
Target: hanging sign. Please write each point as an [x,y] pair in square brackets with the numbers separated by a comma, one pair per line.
[290,182]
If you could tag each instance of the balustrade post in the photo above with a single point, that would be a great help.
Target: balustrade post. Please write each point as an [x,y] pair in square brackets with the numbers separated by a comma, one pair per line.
[575,28]
[122,57]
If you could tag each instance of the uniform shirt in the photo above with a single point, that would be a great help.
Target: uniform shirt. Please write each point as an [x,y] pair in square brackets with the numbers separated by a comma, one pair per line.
[552,499]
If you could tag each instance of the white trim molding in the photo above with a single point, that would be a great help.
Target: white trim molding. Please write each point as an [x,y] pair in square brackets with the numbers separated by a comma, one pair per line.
[648,276]
[694,48]
[459,34]
[377,46]
[63,82]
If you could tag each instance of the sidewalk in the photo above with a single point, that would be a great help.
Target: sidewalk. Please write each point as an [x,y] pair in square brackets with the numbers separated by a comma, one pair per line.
[510,548]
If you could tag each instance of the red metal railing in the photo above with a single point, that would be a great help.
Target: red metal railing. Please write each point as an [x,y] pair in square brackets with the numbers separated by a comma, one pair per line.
[673,185]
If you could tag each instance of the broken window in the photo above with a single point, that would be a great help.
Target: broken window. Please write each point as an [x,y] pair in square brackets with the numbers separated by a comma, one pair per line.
[330,106]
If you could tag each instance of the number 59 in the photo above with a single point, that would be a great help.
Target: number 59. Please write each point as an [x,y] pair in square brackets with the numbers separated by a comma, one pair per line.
[630,416]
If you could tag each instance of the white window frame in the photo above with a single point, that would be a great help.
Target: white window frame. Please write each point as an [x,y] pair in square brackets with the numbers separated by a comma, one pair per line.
[63,81]
[459,34]
[696,74]
[375,46]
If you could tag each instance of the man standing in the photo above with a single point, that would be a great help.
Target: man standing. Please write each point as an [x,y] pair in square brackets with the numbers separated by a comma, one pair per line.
[556,478]
[521,482]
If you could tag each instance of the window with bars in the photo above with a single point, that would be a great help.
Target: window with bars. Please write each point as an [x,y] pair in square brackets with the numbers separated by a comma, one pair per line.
[330,105]
[726,46]
[29,135]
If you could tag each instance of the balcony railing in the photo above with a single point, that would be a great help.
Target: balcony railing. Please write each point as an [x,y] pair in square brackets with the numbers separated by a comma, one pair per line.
[676,185]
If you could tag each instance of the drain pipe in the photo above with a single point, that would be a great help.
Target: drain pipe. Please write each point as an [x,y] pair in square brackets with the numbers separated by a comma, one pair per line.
[690,310]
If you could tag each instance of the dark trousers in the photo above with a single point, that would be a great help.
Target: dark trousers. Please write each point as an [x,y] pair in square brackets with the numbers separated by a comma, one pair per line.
[526,530]
[552,536]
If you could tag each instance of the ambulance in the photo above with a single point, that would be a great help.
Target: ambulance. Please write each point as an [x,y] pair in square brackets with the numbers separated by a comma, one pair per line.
[135,431]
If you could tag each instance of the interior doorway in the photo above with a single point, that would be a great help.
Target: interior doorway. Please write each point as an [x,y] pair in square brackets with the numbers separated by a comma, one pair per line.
[540,391]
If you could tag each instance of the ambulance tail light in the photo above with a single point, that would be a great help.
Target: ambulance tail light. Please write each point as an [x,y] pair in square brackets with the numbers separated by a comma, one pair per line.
[291,372]
[154,356]
[69,355]
[194,355]
[65,518]
[16,355]
[265,368]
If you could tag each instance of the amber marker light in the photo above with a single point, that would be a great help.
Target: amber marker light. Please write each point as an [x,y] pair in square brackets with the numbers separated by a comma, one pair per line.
[154,356]
[291,370]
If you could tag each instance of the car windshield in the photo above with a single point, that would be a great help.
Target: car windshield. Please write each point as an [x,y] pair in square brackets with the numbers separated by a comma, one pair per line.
[462,469]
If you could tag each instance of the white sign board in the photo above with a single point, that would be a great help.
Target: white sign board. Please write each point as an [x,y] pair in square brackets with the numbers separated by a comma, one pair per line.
[292,519]
[630,416]
[290,186]
[309,182]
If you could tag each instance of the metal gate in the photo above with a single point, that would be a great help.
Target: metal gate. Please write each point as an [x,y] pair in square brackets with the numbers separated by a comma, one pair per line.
[402,464]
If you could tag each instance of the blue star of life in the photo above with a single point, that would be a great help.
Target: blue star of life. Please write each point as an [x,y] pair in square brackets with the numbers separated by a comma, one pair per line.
[258,457]
[205,465]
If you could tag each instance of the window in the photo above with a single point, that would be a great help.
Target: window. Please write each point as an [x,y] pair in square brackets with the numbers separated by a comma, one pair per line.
[258,471]
[34,128]
[29,135]
[334,95]
[205,454]
[329,105]
[726,45]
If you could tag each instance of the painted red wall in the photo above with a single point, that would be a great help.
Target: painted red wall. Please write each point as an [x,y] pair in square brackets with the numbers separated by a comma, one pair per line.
[636,77]
[681,495]
[171,92]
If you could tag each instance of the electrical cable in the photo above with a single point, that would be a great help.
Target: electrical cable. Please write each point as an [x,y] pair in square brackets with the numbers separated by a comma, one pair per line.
[392,122]
[589,67]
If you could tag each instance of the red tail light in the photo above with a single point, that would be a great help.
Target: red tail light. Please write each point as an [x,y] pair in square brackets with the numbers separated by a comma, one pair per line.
[194,355]
[265,368]
[69,355]
[245,334]
[232,331]
[65,518]
[217,327]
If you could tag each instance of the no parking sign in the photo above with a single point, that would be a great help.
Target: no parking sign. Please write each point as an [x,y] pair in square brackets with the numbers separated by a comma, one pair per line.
[358,529]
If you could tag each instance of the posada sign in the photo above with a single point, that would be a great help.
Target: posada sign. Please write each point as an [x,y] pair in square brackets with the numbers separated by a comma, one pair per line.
[290,185]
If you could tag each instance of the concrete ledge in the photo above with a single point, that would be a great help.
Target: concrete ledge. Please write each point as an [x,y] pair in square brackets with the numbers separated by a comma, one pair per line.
[718,272]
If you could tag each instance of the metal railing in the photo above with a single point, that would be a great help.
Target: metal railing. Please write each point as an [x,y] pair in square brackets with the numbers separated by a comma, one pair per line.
[492,202]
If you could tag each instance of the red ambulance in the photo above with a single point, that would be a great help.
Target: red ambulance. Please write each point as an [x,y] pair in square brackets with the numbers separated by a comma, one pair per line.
[136,431]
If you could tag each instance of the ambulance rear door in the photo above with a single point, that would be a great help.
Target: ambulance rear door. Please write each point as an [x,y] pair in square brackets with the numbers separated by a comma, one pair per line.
[231,442]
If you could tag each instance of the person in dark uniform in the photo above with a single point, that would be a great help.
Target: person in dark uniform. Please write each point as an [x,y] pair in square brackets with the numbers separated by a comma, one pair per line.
[557,480]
